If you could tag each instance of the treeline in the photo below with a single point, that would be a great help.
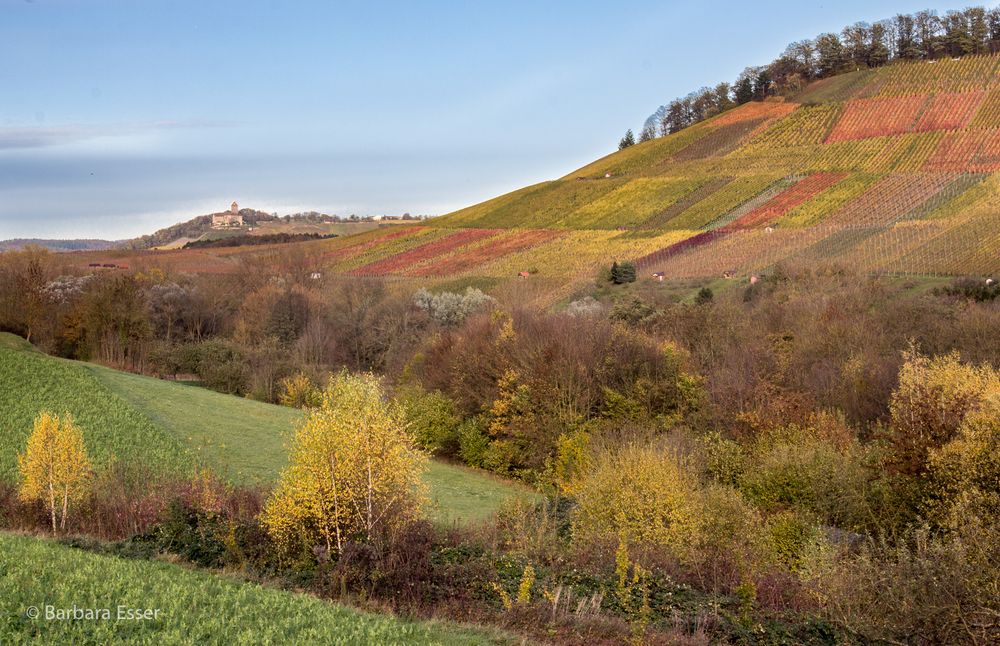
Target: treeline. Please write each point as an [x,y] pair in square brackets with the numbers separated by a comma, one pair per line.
[250,240]
[924,35]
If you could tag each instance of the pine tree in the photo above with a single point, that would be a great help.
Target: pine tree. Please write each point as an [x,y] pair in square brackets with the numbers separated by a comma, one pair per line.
[627,140]
[623,273]
[627,272]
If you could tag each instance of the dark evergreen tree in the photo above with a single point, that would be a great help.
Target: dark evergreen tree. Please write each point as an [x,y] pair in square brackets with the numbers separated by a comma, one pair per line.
[743,88]
[623,273]
[627,140]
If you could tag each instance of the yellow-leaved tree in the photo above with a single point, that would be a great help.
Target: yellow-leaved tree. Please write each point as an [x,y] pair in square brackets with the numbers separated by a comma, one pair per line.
[54,467]
[354,470]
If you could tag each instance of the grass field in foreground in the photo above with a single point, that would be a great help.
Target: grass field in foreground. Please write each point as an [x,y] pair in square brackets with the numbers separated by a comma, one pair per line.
[171,428]
[195,607]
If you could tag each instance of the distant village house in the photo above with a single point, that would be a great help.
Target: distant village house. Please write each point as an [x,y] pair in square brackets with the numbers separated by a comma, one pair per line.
[227,219]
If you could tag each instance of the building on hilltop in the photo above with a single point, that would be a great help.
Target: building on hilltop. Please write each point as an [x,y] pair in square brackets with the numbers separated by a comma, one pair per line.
[226,219]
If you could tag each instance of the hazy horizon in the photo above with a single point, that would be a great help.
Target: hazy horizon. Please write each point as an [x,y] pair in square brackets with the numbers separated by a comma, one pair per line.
[121,119]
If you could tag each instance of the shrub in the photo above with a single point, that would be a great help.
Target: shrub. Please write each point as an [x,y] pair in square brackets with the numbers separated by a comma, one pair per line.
[622,273]
[220,365]
[640,494]
[299,391]
[966,470]
[789,534]
[808,474]
[816,468]
[472,443]
[451,309]
[433,420]
[925,589]
[973,289]
[932,400]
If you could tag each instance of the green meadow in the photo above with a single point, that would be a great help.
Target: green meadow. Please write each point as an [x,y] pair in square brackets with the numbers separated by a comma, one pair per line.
[181,606]
[172,429]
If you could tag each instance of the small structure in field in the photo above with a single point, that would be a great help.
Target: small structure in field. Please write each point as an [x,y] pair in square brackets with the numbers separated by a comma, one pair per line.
[227,219]
[658,275]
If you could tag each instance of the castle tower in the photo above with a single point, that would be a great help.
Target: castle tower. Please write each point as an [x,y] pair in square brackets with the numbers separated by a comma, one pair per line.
[234,209]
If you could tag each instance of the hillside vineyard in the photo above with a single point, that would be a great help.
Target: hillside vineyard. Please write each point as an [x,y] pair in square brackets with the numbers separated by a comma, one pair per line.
[887,171]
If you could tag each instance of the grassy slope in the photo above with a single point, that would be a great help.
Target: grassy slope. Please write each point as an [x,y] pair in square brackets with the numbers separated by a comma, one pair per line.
[172,427]
[195,607]
[31,381]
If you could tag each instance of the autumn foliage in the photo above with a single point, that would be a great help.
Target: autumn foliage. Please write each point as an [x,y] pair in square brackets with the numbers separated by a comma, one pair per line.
[55,468]
[353,470]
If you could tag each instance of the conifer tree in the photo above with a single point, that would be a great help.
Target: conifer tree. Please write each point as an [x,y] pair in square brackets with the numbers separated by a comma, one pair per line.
[627,140]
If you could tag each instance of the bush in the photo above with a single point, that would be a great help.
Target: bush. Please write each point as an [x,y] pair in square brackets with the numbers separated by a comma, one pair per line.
[622,273]
[932,401]
[925,589]
[473,443]
[433,420]
[450,309]
[966,471]
[641,494]
[220,365]
[299,391]
[817,469]
[809,475]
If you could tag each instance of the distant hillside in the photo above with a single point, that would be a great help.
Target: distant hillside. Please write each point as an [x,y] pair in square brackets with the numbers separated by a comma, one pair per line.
[260,223]
[60,245]
[887,170]
[893,170]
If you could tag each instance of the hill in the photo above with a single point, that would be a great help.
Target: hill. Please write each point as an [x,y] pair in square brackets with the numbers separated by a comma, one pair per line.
[192,607]
[256,223]
[891,170]
[172,428]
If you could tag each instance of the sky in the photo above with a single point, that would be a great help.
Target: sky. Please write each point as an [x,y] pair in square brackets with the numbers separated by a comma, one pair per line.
[121,117]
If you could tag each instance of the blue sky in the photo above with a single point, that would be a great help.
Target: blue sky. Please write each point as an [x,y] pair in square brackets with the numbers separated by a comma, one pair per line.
[118,118]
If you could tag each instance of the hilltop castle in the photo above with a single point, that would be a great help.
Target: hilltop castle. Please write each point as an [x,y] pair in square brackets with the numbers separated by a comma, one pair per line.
[230,218]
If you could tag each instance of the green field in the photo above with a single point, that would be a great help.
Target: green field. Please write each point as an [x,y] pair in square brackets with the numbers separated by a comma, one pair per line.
[172,428]
[194,607]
